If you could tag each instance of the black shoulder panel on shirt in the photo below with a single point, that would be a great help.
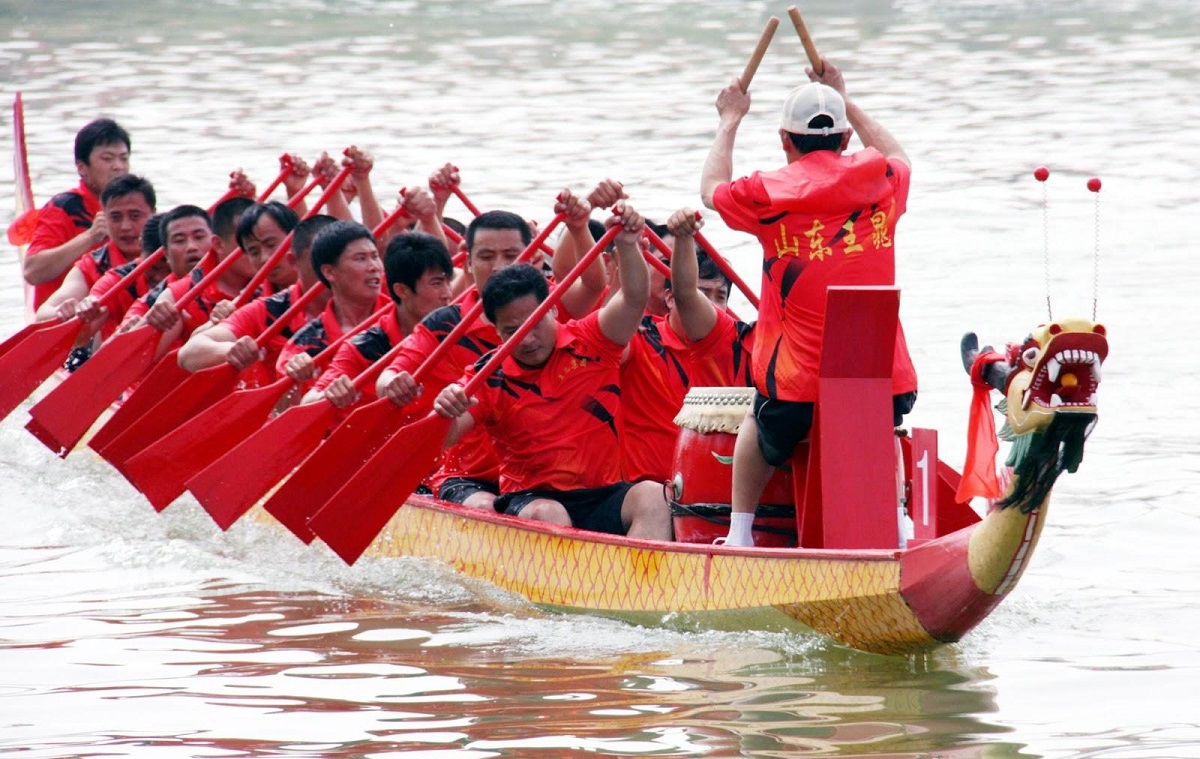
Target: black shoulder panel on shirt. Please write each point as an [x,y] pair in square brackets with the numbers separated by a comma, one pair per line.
[72,204]
[441,321]
[372,343]
[773,219]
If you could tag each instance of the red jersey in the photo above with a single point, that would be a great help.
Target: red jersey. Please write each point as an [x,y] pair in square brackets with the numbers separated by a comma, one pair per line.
[473,457]
[316,335]
[252,319]
[62,219]
[555,427]
[357,354]
[656,374]
[120,303]
[825,219]
[196,313]
[97,263]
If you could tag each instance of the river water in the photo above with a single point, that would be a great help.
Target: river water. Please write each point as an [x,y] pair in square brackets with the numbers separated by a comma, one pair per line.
[126,633]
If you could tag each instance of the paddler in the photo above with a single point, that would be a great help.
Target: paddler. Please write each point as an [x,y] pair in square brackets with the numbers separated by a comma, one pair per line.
[697,343]
[493,241]
[826,218]
[128,202]
[345,258]
[73,222]
[551,409]
[419,274]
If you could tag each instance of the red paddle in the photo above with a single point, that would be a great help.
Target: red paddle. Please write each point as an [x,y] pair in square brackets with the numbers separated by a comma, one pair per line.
[160,470]
[228,488]
[30,360]
[167,374]
[63,416]
[362,507]
[716,257]
[355,441]
[194,394]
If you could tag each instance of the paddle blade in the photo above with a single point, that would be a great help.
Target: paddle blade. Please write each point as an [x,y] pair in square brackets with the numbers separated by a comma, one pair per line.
[193,395]
[160,470]
[363,506]
[23,333]
[332,464]
[63,416]
[233,483]
[165,376]
[30,362]
[20,232]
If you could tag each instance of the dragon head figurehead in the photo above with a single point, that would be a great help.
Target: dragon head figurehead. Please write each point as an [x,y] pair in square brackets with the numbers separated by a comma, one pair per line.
[1050,383]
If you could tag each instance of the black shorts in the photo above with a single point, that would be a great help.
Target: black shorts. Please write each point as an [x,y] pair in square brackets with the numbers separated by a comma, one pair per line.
[783,424]
[596,509]
[459,489]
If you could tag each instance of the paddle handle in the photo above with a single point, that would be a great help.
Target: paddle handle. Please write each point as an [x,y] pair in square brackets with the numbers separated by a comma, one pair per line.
[247,293]
[543,308]
[468,319]
[717,259]
[814,58]
[764,41]
[474,209]
[285,170]
[727,270]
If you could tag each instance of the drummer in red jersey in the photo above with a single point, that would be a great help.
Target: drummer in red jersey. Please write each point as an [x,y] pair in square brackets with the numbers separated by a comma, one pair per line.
[73,222]
[493,241]
[128,203]
[826,218]
[263,227]
[551,409]
[697,344]
[419,273]
[345,258]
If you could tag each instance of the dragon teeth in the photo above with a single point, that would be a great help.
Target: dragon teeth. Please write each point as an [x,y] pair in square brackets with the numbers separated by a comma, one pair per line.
[1055,400]
[1053,367]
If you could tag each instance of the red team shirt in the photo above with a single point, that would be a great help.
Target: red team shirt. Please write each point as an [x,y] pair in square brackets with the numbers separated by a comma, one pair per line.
[99,262]
[473,456]
[61,220]
[316,335]
[357,354]
[656,374]
[825,219]
[555,427]
[252,319]
[120,303]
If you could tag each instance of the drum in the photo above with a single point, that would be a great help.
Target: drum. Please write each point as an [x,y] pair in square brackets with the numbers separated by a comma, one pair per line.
[700,491]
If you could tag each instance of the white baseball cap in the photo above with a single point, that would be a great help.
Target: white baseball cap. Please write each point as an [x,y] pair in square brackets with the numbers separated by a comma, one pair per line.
[809,101]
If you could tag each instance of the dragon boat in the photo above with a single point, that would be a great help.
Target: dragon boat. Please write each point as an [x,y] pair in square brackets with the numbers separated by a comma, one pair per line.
[862,538]
[831,551]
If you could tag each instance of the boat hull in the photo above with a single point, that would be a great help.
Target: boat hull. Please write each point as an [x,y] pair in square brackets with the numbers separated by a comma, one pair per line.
[859,598]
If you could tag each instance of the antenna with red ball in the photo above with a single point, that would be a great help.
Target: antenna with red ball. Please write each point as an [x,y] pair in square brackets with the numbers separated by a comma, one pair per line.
[1041,174]
[1093,184]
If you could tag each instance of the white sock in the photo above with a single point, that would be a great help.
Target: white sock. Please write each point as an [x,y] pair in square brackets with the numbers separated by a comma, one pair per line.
[739,529]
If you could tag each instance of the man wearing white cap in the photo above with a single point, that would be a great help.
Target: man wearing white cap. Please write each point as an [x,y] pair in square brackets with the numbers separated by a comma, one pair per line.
[826,218]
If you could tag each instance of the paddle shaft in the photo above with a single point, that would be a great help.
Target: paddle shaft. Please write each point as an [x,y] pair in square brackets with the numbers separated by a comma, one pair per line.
[764,41]
[717,259]
[474,209]
[814,58]
[260,276]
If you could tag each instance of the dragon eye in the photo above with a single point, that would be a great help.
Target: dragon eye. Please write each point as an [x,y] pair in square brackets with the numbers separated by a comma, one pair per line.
[1030,356]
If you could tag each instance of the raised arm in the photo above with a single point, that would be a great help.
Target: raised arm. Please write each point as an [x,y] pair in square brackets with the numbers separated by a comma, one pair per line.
[870,131]
[581,297]
[361,163]
[696,313]
[45,265]
[732,106]
[620,317]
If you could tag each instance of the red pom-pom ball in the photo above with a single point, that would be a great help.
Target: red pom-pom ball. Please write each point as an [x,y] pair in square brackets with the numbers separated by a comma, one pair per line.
[1094,184]
[1041,173]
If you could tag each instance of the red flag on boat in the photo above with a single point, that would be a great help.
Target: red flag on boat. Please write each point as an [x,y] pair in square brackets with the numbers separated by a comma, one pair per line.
[979,470]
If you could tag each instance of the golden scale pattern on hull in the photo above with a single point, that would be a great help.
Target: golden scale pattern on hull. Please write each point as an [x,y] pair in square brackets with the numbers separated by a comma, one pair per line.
[856,601]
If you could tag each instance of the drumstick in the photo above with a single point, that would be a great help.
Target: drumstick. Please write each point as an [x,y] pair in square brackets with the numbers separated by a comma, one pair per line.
[813,56]
[764,41]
